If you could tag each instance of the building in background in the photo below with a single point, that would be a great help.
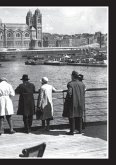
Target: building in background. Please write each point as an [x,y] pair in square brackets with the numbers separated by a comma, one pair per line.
[30,36]
[24,36]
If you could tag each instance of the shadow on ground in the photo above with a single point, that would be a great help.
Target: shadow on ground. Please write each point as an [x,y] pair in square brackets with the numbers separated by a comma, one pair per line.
[96,131]
[51,132]
[99,131]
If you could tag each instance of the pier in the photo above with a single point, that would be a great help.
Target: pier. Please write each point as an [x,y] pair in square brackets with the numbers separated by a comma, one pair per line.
[92,143]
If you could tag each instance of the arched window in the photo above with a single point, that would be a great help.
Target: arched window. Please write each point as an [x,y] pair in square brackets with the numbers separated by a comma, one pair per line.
[1,35]
[9,35]
[39,20]
[18,35]
[39,44]
[26,34]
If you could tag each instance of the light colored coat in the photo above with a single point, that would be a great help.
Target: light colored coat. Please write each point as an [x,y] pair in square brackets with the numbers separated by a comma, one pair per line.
[45,101]
[6,105]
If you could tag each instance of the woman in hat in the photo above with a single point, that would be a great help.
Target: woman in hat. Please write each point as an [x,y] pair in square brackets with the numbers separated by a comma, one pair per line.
[26,106]
[6,105]
[45,103]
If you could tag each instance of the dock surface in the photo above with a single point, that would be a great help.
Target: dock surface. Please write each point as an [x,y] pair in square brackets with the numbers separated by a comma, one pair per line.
[91,144]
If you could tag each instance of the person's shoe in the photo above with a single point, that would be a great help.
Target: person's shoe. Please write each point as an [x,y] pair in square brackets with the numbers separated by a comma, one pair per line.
[80,132]
[69,133]
[76,132]
[26,131]
[12,132]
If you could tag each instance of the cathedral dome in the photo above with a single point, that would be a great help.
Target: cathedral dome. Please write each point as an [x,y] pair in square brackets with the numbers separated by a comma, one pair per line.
[29,14]
[37,12]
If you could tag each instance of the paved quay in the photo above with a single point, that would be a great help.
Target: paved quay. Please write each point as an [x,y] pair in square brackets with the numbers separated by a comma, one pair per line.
[91,144]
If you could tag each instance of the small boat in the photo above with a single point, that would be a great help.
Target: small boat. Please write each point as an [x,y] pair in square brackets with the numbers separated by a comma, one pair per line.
[5,58]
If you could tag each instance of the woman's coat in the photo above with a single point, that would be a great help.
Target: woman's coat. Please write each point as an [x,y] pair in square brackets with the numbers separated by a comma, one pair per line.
[74,104]
[6,105]
[26,104]
[45,101]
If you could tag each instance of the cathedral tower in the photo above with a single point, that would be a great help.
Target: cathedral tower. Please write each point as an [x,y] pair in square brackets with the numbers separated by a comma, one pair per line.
[29,19]
[37,24]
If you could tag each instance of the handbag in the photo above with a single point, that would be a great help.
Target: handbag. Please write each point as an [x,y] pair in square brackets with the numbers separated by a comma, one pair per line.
[38,113]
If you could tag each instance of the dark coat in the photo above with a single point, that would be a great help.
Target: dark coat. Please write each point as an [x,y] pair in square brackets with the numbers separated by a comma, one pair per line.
[74,104]
[26,104]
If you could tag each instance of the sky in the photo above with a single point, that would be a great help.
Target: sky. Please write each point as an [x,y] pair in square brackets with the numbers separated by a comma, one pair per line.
[62,20]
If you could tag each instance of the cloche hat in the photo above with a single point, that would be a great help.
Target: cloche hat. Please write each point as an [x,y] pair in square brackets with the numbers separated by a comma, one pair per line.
[44,80]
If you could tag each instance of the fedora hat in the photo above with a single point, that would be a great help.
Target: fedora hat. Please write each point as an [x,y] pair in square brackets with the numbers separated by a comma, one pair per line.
[80,76]
[24,77]
[44,80]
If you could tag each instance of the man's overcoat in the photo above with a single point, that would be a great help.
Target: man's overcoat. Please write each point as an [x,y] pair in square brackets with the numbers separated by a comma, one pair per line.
[74,104]
[26,104]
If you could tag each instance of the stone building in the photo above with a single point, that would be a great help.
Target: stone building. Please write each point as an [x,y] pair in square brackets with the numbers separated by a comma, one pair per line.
[18,35]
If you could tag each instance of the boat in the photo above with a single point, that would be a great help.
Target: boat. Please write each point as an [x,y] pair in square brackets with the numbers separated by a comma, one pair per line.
[34,62]
[88,64]
[51,62]
[5,58]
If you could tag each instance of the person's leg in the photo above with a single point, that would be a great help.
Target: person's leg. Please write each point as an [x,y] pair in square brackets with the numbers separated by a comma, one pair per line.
[48,124]
[1,124]
[77,123]
[43,123]
[30,119]
[9,120]
[72,126]
[80,125]
[26,125]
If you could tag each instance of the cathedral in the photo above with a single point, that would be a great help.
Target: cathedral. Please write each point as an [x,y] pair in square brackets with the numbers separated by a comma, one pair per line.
[26,36]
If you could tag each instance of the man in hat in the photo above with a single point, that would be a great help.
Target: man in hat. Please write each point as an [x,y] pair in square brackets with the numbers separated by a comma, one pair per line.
[26,106]
[74,103]
[80,77]
[45,103]
[6,105]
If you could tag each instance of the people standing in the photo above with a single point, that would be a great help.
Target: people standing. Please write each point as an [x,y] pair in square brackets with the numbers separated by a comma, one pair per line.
[45,103]
[74,104]
[26,106]
[6,105]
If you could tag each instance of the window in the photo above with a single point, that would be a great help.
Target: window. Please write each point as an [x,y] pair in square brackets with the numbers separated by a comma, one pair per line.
[39,20]
[18,35]
[26,34]
[1,35]
[9,35]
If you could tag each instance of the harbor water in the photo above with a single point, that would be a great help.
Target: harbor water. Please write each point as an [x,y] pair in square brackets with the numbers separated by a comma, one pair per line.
[59,76]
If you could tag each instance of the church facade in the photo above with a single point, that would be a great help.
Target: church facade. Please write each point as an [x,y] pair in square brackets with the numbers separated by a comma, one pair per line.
[26,36]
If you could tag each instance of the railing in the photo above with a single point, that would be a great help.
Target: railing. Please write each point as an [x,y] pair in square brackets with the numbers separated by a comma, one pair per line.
[95,108]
